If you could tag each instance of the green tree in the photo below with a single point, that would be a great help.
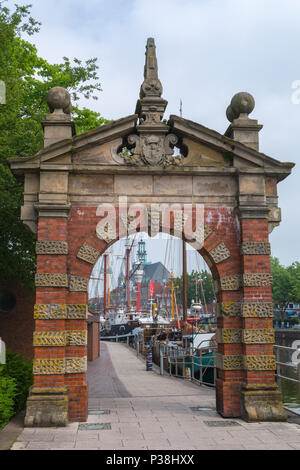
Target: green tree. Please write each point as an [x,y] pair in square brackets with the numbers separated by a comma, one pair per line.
[204,294]
[286,284]
[28,78]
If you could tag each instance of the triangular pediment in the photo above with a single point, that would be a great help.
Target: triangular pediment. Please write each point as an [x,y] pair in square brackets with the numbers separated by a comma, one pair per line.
[91,147]
[203,147]
[210,148]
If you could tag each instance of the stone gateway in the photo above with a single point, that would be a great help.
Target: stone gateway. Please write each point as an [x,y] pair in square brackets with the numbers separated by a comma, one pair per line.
[152,161]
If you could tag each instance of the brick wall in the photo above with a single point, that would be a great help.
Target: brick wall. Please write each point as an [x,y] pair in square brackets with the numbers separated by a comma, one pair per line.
[93,340]
[16,326]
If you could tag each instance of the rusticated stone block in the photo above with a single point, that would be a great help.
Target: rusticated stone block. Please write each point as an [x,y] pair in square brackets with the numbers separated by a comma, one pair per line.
[262,402]
[255,248]
[259,362]
[258,336]
[257,280]
[51,280]
[49,311]
[60,338]
[60,311]
[48,247]
[76,337]
[47,406]
[76,365]
[48,366]
[201,233]
[88,253]
[229,335]
[207,232]
[230,362]
[76,311]
[231,282]
[70,365]
[78,284]
[106,232]
[49,338]
[220,253]
[228,309]
[257,309]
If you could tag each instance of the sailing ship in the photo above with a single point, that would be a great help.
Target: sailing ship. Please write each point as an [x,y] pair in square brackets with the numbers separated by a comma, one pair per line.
[135,306]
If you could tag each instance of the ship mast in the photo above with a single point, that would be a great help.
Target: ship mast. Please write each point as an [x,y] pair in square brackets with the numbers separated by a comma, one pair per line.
[172,279]
[127,276]
[108,289]
[105,285]
[184,282]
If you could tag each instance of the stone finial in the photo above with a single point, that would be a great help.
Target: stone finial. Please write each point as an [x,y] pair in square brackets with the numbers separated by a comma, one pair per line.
[59,100]
[151,85]
[241,104]
[58,125]
[151,106]
[152,145]
[242,128]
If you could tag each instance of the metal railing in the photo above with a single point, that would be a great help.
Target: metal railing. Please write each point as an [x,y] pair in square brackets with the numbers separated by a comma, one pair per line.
[290,365]
[197,365]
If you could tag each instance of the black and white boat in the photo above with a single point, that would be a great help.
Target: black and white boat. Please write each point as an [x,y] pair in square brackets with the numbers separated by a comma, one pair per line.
[117,322]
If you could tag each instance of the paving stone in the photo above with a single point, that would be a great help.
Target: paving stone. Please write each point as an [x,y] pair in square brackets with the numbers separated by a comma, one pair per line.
[149,411]
[19,445]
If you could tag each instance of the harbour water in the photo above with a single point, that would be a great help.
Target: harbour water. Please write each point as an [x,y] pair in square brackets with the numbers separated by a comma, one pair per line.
[290,390]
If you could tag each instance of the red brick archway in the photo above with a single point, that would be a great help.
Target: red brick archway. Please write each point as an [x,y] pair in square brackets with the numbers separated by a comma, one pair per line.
[234,251]
[134,157]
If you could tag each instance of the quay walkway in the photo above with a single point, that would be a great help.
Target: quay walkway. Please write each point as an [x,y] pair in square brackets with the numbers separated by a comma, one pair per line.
[148,411]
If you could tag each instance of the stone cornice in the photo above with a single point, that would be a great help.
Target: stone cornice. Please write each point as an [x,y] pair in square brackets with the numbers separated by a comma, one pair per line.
[52,210]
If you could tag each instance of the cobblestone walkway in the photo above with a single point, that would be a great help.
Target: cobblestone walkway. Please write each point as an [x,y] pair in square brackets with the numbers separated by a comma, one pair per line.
[148,411]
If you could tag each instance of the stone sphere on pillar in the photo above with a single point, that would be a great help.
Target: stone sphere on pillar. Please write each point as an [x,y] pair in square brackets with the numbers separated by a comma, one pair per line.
[242,103]
[230,114]
[59,98]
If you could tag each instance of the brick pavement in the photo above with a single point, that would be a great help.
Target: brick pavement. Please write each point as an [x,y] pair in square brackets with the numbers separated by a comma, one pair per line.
[148,411]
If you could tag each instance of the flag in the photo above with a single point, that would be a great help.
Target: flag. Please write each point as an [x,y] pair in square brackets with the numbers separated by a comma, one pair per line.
[151,288]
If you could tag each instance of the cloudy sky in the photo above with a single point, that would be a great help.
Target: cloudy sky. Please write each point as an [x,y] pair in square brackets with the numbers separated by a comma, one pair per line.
[207,51]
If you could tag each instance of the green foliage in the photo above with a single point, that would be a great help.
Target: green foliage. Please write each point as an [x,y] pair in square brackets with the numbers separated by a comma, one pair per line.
[16,377]
[16,242]
[85,119]
[28,78]
[21,372]
[7,392]
[193,293]
[228,156]
[286,284]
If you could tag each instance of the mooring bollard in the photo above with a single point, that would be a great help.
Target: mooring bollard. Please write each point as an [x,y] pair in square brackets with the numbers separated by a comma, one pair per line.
[149,359]
[161,363]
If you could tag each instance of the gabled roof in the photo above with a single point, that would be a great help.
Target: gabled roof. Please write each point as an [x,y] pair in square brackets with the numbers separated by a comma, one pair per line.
[220,142]
[105,133]
[123,127]
[156,272]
